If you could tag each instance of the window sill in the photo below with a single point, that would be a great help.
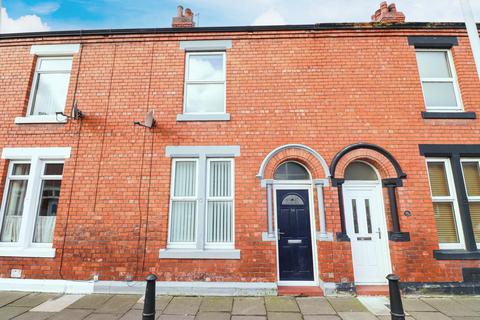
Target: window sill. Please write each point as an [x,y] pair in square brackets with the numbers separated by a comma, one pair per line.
[449,115]
[456,254]
[219,254]
[27,252]
[41,119]
[203,117]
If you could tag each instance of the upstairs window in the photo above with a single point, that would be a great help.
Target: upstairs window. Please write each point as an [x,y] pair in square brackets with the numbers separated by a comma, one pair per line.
[439,82]
[205,83]
[50,86]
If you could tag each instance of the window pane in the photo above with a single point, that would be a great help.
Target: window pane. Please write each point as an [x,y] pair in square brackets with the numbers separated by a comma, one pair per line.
[475,214]
[51,94]
[472,178]
[433,64]
[55,65]
[21,169]
[355,215]
[13,210]
[291,171]
[205,98]
[47,211]
[439,94]
[206,67]
[438,179]
[182,226]
[445,221]
[185,179]
[219,222]
[220,179]
[359,171]
[53,169]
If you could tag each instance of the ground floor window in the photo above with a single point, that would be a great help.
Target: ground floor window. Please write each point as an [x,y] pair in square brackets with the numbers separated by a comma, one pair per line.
[201,203]
[30,199]
[445,200]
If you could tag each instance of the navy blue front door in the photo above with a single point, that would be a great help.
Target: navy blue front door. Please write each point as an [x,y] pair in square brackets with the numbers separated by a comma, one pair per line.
[294,236]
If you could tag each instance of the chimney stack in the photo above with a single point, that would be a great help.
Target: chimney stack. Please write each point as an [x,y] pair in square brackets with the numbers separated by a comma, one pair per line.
[183,20]
[388,14]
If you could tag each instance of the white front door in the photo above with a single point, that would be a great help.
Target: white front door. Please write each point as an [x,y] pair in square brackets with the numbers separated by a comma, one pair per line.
[367,230]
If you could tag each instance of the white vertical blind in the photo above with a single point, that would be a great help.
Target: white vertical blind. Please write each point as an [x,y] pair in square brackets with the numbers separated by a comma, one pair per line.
[184,204]
[220,203]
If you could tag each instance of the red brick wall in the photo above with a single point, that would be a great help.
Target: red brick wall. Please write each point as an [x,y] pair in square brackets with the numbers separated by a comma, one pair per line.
[322,89]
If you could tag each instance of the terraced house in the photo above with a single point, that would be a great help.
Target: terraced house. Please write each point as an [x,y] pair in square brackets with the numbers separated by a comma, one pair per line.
[318,156]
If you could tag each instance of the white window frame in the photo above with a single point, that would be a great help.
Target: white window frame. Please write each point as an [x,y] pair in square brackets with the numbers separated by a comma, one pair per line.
[187,82]
[216,245]
[38,72]
[453,80]
[452,199]
[470,198]
[37,157]
[183,245]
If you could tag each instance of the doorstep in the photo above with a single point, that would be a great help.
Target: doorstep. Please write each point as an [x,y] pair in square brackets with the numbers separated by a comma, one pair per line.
[300,291]
[373,290]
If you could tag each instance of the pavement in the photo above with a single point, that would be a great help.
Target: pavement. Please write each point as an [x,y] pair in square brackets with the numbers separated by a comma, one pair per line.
[43,306]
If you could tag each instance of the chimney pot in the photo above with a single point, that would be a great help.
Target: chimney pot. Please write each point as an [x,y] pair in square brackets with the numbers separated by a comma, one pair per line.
[188,12]
[179,11]
[388,14]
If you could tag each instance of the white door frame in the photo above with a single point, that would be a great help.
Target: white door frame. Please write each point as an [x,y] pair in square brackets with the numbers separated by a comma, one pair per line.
[382,219]
[297,185]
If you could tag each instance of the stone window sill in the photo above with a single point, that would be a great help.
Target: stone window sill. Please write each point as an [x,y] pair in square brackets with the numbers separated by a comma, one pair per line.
[27,252]
[203,117]
[218,254]
[456,254]
[41,119]
[449,115]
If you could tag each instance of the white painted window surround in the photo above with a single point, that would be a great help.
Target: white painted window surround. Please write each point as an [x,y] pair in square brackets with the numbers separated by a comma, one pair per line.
[37,158]
[201,219]
[45,78]
[205,80]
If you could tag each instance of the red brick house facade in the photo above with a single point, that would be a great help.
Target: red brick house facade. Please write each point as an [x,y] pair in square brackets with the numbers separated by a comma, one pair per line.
[327,155]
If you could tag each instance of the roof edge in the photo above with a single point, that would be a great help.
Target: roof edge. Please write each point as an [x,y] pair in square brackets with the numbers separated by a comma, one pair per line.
[300,27]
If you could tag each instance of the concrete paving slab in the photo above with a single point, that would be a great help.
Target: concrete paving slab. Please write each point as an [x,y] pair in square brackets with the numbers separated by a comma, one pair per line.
[472,303]
[450,307]
[174,317]
[281,304]
[346,304]
[7,313]
[132,315]
[57,305]
[249,306]
[216,304]
[465,318]
[415,304]
[71,314]
[104,316]
[161,303]
[213,316]
[91,301]
[33,299]
[7,297]
[284,316]
[118,304]
[376,305]
[317,317]
[429,316]
[357,316]
[249,318]
[390,318]
[183,306]
[315,306]
[34,316]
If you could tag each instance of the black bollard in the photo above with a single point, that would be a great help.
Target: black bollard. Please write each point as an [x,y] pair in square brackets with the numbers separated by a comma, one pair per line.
[396,306]
[149,302]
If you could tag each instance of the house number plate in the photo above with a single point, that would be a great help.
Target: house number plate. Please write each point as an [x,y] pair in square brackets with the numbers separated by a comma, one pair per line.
[294,241]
